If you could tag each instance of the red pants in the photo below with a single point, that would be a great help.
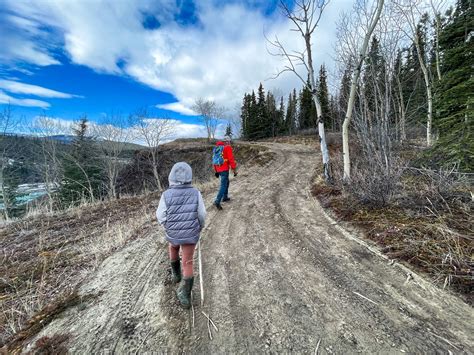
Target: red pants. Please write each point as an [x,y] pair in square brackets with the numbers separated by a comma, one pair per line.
[187,254]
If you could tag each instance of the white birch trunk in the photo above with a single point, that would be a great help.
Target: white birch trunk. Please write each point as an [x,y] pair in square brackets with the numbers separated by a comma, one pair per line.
[355,79]
[429,96]
[314,95]
[403,135]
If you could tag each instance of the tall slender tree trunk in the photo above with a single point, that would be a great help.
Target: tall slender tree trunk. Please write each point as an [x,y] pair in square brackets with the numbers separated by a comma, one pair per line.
[314,95]
[112,180]
[437,19]
[429,95]
[355,79]
[401,106]
[157,178]
[156,174]
[6,202]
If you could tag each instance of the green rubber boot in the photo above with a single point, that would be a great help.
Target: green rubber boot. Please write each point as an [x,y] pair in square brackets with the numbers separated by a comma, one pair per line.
[176,271]
[184,292]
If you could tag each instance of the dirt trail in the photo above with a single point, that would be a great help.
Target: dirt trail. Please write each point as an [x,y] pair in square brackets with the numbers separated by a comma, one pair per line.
[279,276]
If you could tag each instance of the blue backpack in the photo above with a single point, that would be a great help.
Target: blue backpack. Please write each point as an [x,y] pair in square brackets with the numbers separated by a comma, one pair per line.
[218,155]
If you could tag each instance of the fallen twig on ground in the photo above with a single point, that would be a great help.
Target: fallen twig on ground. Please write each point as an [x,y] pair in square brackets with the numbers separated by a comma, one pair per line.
[201,282]
[210,320]
[317,347]
[142,343]
[444,339]
[368,299]
[209,329]
[192,306]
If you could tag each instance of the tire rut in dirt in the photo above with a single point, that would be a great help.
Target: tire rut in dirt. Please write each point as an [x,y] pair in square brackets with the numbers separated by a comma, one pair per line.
[133,320]
[229,277]
[414,335]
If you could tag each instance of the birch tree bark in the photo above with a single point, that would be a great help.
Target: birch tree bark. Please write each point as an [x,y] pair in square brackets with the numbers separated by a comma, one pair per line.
[411,11]
[314,94]
[355,78]
[305,16]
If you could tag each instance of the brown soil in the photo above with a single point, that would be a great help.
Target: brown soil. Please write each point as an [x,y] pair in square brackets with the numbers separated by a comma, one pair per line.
[279,276]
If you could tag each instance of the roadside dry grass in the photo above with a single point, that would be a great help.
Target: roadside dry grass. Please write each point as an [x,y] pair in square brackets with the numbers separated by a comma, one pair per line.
[45,257]
[427,222]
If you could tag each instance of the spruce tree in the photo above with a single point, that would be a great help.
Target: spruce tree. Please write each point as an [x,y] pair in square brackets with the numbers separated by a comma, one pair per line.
[307,110]
[253,117]
[281,129]
[261,128]
[373,79]
[272,116]
[398,98]
[454,101]
[245,116]
[83,177]
[414,90]
[291,114]
[323,95]
[344,90]
[333,113]
[228,130]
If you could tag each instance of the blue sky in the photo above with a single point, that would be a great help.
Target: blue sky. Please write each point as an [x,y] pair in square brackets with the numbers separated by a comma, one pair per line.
[97,93]
[69,58]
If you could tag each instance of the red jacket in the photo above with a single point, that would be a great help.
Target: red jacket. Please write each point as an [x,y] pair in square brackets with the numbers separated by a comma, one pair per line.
[229,161]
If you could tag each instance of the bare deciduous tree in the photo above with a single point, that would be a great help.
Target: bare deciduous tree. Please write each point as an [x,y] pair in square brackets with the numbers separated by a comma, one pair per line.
[359,41]
[211,113]
[50,168]
[153,131]
[112,135]
[7,124]
[305,16]
[411,12]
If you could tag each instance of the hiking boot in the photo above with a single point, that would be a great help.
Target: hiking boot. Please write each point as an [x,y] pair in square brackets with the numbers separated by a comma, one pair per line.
[226,199]
[184,292]
[176,271]
[218,206]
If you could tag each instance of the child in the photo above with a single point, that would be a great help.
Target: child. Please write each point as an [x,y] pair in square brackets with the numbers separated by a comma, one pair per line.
[182,212]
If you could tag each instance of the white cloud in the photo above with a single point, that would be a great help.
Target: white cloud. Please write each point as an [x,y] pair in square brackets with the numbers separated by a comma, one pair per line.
[48,126]
[27,89]
[28,45]
[222,57]
[177,107]
[7,99]
[189,130]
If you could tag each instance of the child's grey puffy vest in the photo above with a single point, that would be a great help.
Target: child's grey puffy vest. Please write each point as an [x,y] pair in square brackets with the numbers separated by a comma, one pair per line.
[182,223]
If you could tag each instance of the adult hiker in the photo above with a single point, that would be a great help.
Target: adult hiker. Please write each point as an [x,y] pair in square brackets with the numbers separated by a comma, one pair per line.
[182,212]
[223,160]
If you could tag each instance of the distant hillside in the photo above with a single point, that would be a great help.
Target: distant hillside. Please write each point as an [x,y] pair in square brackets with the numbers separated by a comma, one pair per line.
[66,139]
[129,146]
[25,152]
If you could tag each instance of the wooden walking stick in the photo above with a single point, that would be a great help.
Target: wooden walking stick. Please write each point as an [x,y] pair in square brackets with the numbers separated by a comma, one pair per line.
[201,282]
